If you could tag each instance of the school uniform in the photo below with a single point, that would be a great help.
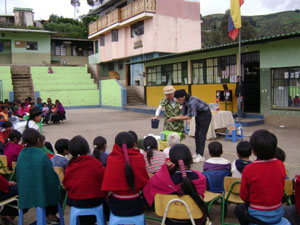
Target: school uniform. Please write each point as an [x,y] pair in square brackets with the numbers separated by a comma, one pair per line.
[123,201]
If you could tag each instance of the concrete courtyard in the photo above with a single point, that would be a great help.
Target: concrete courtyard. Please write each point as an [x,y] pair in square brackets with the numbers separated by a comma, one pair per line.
[106,122]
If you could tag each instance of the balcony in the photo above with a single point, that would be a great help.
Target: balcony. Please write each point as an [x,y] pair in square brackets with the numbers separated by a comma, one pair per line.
[120,15]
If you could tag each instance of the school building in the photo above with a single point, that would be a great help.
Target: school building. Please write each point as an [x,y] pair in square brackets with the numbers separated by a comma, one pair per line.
[135,30]
[270,71]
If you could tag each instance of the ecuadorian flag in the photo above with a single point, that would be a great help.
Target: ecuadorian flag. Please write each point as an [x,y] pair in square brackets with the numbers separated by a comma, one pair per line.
[235,20]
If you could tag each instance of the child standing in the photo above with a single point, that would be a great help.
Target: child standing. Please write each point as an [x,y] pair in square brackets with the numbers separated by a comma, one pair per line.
[125,176]
[262,184]
[59,159]
[178,179]
[99,149]
[38,183]
[45,111]
[216,162]
[243,153]
[13,148]
[154,159]
[83,179]
[173,139]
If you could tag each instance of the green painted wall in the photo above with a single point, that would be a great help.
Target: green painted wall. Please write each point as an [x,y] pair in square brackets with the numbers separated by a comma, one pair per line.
[73,86]
[111,93]
[24,56]
[5,76]
[273,54]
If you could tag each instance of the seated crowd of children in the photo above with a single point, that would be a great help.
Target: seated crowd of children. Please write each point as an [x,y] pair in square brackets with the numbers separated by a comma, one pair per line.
[120,180]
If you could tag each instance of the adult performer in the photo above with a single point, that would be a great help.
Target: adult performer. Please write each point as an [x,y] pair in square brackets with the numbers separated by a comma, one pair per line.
[172,109]
[194,107]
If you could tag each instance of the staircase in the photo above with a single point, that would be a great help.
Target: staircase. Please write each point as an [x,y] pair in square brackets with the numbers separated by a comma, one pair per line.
[132,97]
[251,119]
[22,82]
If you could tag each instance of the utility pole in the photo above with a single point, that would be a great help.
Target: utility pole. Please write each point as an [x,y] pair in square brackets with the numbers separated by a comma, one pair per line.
[5,8]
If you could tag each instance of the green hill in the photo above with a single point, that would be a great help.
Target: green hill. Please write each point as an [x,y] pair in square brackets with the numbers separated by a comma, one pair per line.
[214,27]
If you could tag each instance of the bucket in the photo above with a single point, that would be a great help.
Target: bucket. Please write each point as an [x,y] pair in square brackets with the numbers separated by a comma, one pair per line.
[154,123]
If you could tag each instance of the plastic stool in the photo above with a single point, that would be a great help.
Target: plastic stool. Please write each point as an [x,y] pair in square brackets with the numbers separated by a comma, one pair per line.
[41,216]
[96,211]
[130,220]
[234,136]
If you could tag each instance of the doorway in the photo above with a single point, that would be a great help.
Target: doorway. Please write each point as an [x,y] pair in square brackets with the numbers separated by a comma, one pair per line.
[250,67]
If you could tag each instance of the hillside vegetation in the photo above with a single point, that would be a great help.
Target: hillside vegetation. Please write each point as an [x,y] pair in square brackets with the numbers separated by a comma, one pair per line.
[214,27]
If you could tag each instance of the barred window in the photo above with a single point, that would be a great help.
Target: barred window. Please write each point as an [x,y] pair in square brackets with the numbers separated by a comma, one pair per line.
[167,74]
[286,87]
[214,70]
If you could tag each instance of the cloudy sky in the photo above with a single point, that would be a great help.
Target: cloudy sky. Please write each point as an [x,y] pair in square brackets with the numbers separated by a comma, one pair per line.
[43,8]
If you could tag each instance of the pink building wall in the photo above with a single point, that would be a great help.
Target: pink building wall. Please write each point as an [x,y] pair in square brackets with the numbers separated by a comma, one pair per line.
[175,27]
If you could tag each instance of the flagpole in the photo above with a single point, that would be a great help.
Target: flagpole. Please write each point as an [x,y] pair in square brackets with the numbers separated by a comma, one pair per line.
[240,68]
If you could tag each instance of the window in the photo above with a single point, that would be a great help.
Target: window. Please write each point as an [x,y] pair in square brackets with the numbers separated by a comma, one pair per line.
[137,29]
[60,50]
[31,45]
[286,87]
[96,46]
[114,34]
[111,66]
[214,70]
[167,74]
[120,65]
[102,40]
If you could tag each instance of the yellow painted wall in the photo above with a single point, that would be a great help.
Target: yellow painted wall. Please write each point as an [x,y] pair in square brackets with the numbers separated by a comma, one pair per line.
[207,92]
[155,94]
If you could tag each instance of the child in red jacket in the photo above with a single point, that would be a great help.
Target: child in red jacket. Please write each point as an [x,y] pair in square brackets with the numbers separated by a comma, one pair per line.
[262,186]
[83,179]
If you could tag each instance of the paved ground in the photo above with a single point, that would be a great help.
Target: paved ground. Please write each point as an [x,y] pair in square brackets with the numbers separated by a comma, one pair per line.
[94,122]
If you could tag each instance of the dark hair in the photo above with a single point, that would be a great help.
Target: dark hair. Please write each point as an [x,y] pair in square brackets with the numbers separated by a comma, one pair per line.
[61,145]
[150,143]
[49,146]
[264,144]
[43,138]
[4,107]
[78,146]
[134,135]
[215,149]
[182,152]
[126,138]
[280,154]
[99,144]
[6,124]
[14,134]
[244,149]
[31,137]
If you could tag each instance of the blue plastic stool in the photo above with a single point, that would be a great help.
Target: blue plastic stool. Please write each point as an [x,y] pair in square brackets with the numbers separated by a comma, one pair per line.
[215,179]
[41,216]
[96,211]
[130,220]
[234,136]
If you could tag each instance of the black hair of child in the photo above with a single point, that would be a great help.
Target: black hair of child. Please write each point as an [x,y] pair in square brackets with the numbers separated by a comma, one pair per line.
[99,144]
[78,146]
[14,134]
[244,149]
[182,152]
[150,144]
[263,144]
[280,154]
[6,124]
[61,145]
[215,149]
[43,138]
[4,107]
[31,137]
[126,138]
[49,146]
[134,135]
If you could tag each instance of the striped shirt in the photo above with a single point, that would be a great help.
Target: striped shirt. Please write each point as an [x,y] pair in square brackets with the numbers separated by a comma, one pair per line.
[157,161]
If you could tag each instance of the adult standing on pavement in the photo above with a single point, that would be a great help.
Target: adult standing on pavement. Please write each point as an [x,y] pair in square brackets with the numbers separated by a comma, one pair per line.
[239,93]
[172,109]
[194,107]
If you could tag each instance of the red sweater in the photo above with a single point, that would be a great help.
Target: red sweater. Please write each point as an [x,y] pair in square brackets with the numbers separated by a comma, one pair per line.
[4,185]
[83,178]
[297,194]
[263,184]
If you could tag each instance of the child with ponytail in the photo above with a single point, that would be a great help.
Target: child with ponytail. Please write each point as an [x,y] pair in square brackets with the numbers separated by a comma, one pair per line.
[99,149]
[178,178]
[154,158]
[125,176]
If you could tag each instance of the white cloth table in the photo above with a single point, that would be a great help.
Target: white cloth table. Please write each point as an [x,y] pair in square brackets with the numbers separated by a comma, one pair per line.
[220,119]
